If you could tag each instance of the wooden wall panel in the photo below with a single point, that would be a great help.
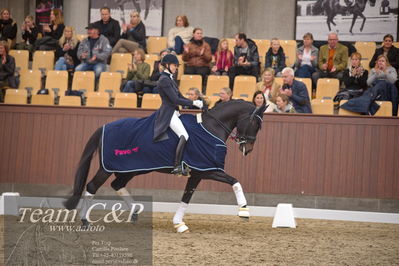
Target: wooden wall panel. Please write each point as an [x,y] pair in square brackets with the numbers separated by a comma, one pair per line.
[294,154]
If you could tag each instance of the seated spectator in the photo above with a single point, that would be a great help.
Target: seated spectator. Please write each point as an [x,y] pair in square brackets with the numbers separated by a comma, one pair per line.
[381,81]
[306,58]
[387,49]
[180,35]
[7,67]
[94,52]
[52,32]
[137,73]
[194,94]
[355,79]
[29,35]
[275,57]
[246,58]
[133,36]
[67,50]
[150,85]
[296,91]
[333,59]
[258,99]
[108,26]
[223,59]
[197,56]
[268,85]
[225,95]
[283,105]
[8,28]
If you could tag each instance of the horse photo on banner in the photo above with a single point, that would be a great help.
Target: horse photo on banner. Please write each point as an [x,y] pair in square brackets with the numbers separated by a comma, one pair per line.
[151,12]
[354,20]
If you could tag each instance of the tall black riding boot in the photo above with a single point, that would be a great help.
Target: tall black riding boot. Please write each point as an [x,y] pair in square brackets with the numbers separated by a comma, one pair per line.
[179,170]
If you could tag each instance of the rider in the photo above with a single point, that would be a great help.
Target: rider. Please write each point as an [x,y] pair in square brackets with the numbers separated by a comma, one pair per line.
[168,114]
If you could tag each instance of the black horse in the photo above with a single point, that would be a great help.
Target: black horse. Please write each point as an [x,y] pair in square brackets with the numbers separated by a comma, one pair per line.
[333,8]
[357,10]
[219,121]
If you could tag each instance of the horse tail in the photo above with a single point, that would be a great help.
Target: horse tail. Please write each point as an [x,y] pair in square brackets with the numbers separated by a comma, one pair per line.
[318,7]
[83,169]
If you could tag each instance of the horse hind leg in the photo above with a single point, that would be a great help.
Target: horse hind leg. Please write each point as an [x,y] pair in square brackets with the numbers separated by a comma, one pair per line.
[364,21]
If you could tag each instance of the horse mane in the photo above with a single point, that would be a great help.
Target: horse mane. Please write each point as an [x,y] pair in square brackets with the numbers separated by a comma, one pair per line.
[222,105]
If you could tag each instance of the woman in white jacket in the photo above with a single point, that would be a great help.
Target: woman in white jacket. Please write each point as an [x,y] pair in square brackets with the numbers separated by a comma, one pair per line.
[180,34]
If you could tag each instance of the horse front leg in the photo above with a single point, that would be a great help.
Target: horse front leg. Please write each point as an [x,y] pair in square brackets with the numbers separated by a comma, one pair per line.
[364,21]
[353,23]
[191,185]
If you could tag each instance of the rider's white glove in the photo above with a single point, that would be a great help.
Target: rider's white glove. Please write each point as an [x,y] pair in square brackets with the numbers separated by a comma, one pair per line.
[198,103]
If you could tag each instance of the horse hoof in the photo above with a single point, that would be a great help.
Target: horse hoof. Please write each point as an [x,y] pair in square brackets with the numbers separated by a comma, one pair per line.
[243,213]
[181,228]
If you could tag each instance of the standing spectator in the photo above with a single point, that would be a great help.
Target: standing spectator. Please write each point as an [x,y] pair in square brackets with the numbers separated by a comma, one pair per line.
[67,50]
[223,59]
[197,56]
[180,35]
[29,35]
[283,105]
[7,67]
[296,91]
[246,58]
[225,95]
[306,58]
[94,51]
[355,79]
[387,49]
[333,59]
[138,72]
[108,26]
[8,28]
[52,32]
[275,57]
[133,36]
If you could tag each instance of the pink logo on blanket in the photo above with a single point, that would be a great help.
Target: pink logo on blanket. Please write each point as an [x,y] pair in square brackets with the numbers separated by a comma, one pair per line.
[125,152]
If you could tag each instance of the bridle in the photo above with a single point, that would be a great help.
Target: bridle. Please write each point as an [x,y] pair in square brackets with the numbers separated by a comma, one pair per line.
[239,139]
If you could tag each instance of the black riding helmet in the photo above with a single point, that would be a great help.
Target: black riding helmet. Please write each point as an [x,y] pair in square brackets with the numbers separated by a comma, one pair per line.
[169,59]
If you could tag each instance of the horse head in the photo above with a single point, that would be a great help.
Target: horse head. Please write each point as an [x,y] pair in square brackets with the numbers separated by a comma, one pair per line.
[372,2]
[247,128]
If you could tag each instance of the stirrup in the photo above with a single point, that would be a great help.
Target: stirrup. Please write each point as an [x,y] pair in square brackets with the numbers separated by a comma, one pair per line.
[181,171]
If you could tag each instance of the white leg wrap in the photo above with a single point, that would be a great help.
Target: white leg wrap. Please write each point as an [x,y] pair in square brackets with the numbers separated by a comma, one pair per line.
[178,218]
[127,198]
[181,228]
[241,200]
[87,198]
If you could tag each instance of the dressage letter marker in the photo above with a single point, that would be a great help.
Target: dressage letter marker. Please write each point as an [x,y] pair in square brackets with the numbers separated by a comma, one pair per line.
[284,216]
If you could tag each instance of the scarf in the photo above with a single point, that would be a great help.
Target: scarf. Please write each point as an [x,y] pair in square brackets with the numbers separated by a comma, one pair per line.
[359,72]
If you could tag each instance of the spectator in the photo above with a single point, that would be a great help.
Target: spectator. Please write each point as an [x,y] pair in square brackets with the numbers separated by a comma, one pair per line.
[333,59]
[355,79]
[387,49]
[133,36]
[108,26]
[258,99]
[52,32]
[268,85]
[7,67]
[180,35]
[225,95]
[194,94]
[138,72]
[283,105]
[94,51]
[296,91]
[306,58]
[275,57]
[246,58]
[382,72]
[8,28]
[223,59]
[150,85]
[67,50]
[197,56]
[29,35]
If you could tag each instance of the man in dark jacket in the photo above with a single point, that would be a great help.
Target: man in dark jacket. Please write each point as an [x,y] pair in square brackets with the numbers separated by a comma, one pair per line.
[296,91]
[109,27]
[246,58]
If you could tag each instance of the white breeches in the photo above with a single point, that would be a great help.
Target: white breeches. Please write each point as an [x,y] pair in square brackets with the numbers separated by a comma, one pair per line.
[177,126]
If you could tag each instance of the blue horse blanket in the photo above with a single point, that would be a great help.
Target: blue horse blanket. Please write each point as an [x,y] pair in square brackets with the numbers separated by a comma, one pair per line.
[128,146]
